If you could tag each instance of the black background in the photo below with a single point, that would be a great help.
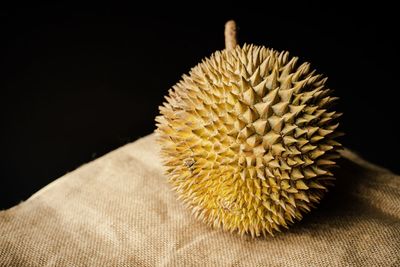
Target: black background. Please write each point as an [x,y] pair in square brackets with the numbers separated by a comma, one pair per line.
[79,81]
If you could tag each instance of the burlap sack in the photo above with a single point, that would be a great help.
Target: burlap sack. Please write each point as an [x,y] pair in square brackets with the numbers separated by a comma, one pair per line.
[119,211]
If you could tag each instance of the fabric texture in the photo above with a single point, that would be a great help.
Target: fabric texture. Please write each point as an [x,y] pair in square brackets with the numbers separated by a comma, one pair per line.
[119,210]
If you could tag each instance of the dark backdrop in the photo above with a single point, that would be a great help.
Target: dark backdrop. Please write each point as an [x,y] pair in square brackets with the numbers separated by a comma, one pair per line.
[79,81]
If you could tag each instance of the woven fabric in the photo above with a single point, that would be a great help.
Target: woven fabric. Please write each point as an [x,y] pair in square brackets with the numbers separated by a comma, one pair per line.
[119,211]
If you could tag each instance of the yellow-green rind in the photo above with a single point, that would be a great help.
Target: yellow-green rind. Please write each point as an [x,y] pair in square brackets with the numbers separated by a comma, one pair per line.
[247,139]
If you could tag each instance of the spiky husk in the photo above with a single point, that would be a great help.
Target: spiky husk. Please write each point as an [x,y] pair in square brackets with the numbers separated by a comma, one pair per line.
[248,139]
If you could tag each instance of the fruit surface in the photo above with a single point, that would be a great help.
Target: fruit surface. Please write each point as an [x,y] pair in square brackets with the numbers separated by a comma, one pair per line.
[247,139]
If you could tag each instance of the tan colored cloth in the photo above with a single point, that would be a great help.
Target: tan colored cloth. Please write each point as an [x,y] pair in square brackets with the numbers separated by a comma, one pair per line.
[119,211]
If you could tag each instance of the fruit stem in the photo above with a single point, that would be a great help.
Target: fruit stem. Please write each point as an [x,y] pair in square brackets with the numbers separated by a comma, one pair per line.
[230,35]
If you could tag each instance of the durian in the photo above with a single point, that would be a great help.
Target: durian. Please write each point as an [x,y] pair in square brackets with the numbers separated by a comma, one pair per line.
[248,138]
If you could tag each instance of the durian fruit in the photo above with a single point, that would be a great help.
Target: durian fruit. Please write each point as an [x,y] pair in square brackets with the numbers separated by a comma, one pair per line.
[247,139]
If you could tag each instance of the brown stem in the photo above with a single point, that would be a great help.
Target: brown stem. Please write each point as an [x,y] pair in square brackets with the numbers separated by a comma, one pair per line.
[230,35]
